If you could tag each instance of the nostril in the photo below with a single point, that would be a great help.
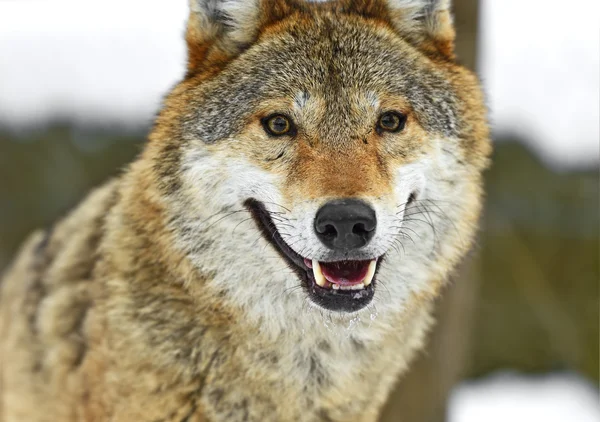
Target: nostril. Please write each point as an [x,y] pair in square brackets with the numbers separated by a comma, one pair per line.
[359,229]
[329,232]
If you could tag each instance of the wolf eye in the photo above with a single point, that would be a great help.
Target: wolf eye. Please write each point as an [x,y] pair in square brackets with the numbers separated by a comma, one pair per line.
[391,121]
[278,125]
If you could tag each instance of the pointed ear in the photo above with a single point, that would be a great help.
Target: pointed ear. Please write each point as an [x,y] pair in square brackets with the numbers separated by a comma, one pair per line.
[427,24]
[223,28]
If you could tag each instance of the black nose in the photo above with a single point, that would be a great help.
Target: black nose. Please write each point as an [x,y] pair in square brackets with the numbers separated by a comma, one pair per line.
[345,224]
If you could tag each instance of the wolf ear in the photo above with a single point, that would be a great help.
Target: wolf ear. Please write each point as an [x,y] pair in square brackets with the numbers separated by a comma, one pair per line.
[221,29]
[427,24]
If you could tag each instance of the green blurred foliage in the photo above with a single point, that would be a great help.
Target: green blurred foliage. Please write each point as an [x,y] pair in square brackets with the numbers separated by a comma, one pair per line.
[44,173]
[538,265]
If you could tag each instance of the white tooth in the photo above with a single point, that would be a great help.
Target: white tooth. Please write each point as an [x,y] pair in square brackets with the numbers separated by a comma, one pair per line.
[319,277]
[370,272]
[335,286]
[354,287]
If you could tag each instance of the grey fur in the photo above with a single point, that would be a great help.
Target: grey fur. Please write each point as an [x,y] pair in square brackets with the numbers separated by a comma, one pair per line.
[332,57]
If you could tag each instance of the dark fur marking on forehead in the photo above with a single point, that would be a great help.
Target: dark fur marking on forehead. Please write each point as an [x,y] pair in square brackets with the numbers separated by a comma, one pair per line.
[333,57]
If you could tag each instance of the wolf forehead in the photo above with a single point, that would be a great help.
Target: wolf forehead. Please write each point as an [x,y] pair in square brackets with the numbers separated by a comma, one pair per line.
[336,58]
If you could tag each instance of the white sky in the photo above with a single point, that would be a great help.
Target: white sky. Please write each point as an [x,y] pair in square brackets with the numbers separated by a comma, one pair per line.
[88,60]
[112,60]
[539,60]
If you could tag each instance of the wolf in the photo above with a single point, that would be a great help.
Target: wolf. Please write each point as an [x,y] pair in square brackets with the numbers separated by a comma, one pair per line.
[274,251]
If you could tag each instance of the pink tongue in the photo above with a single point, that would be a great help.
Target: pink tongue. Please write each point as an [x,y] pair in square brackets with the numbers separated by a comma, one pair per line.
[345,273]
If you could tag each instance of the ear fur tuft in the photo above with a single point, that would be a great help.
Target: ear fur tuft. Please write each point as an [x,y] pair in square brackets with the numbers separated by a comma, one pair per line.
[221,27]
[426,23]
[237,19]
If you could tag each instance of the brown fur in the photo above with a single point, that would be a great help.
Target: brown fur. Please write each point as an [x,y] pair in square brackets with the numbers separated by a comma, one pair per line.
[109,316]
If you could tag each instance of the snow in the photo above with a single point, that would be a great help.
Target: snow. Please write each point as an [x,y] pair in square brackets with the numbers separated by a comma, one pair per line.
[515,398]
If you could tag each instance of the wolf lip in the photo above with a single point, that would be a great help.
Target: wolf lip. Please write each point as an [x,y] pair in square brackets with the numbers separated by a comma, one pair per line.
[346,286]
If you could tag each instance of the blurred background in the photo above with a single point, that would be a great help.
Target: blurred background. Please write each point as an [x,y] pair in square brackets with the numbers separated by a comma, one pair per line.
[518,330]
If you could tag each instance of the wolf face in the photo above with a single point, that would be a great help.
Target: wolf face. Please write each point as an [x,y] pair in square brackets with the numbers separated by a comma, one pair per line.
[332,146]
[303,196]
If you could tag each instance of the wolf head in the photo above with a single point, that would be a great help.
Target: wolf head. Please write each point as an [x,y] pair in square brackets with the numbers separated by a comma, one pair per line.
[322,153]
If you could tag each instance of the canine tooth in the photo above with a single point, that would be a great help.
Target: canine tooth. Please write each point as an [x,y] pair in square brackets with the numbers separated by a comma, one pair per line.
[319,277]
[370,273]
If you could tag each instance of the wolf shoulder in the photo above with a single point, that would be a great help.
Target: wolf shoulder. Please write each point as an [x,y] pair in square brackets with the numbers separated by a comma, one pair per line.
[45,298]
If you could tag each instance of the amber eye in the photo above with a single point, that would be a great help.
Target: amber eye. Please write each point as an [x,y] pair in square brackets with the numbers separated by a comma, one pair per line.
[391,121]
[278,125]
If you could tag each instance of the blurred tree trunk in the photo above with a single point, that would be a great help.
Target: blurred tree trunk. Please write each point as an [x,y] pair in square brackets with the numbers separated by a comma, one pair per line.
[422,394]
[466,20]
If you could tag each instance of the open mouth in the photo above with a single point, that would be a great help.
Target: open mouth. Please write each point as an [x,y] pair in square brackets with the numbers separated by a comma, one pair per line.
[346,286]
